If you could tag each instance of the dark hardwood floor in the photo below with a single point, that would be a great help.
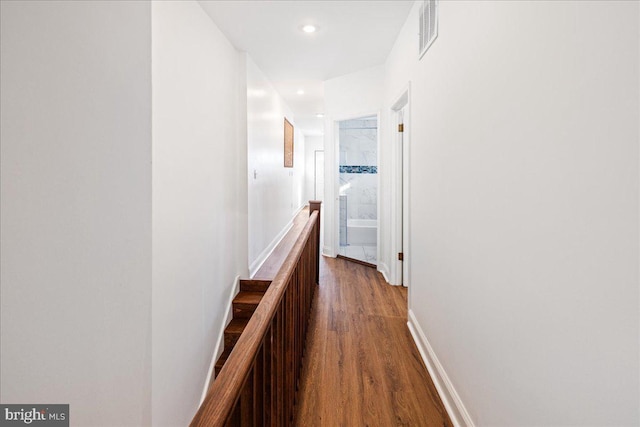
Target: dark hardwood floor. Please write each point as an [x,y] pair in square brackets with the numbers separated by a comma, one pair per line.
[361,367]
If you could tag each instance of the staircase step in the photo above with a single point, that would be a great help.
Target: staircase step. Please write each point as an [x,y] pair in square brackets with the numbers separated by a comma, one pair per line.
[245,303]
[223,358]
[233,330]
[254,285]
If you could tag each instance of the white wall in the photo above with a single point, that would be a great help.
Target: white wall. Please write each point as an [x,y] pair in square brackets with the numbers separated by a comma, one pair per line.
[76,208]
[275,192]
[351,96]
[524,170]
[311,145]
[199,200]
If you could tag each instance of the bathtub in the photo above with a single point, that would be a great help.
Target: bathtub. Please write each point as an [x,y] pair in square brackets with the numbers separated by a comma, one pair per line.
[362,231]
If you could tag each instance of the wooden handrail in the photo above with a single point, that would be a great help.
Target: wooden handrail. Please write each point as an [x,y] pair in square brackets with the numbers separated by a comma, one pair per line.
[257,383]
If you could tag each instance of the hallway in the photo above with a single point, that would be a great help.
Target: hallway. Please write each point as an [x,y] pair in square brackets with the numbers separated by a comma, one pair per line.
[153,155]
[361,366]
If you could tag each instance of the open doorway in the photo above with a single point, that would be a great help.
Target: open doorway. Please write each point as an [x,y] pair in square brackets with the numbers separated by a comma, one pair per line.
[358,189]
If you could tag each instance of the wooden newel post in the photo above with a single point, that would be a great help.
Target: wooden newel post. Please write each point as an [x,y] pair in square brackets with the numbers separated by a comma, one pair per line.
[314,205]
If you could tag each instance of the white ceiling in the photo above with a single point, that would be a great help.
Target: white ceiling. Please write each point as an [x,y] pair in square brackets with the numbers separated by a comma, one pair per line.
[351,36]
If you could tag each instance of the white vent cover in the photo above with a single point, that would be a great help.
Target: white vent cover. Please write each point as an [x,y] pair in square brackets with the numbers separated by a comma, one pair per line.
[428,25]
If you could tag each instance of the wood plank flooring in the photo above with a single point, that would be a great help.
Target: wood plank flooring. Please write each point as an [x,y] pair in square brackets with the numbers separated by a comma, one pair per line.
[361,367]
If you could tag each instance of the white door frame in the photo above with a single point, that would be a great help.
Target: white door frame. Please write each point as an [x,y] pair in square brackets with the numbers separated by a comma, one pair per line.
[400,217]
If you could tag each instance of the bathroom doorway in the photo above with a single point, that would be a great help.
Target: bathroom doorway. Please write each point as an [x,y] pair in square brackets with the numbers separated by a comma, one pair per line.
[358,189]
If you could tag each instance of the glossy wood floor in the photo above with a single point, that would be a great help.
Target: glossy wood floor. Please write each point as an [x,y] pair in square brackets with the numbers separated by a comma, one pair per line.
[361,367]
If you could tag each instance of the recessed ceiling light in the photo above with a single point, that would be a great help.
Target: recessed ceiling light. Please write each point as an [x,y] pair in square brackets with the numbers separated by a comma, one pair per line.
[309,28]
[320,115]
[300,92]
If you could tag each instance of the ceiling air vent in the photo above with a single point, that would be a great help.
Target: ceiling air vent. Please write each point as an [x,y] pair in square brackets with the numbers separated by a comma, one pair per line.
[428,25]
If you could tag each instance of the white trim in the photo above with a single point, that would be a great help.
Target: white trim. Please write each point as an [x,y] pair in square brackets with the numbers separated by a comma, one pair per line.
[295,214]
[217,350]
[384,270]
[400,221]
[453,404]
[379,130]
[406,193]
[255,265]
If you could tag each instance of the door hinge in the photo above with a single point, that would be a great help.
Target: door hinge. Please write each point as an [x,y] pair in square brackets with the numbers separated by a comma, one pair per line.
[401,127]
[400,256]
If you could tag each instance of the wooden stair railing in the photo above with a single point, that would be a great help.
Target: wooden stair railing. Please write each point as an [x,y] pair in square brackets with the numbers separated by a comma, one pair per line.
[257,383]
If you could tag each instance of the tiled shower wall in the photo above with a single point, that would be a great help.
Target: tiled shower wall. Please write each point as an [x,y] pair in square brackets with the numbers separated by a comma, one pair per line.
[358,167]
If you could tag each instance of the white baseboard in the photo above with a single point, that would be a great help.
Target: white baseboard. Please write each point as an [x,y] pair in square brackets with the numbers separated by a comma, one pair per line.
[450,398]
[304,205]
[255,265]
[328,252]
[384,270]
[217,350]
